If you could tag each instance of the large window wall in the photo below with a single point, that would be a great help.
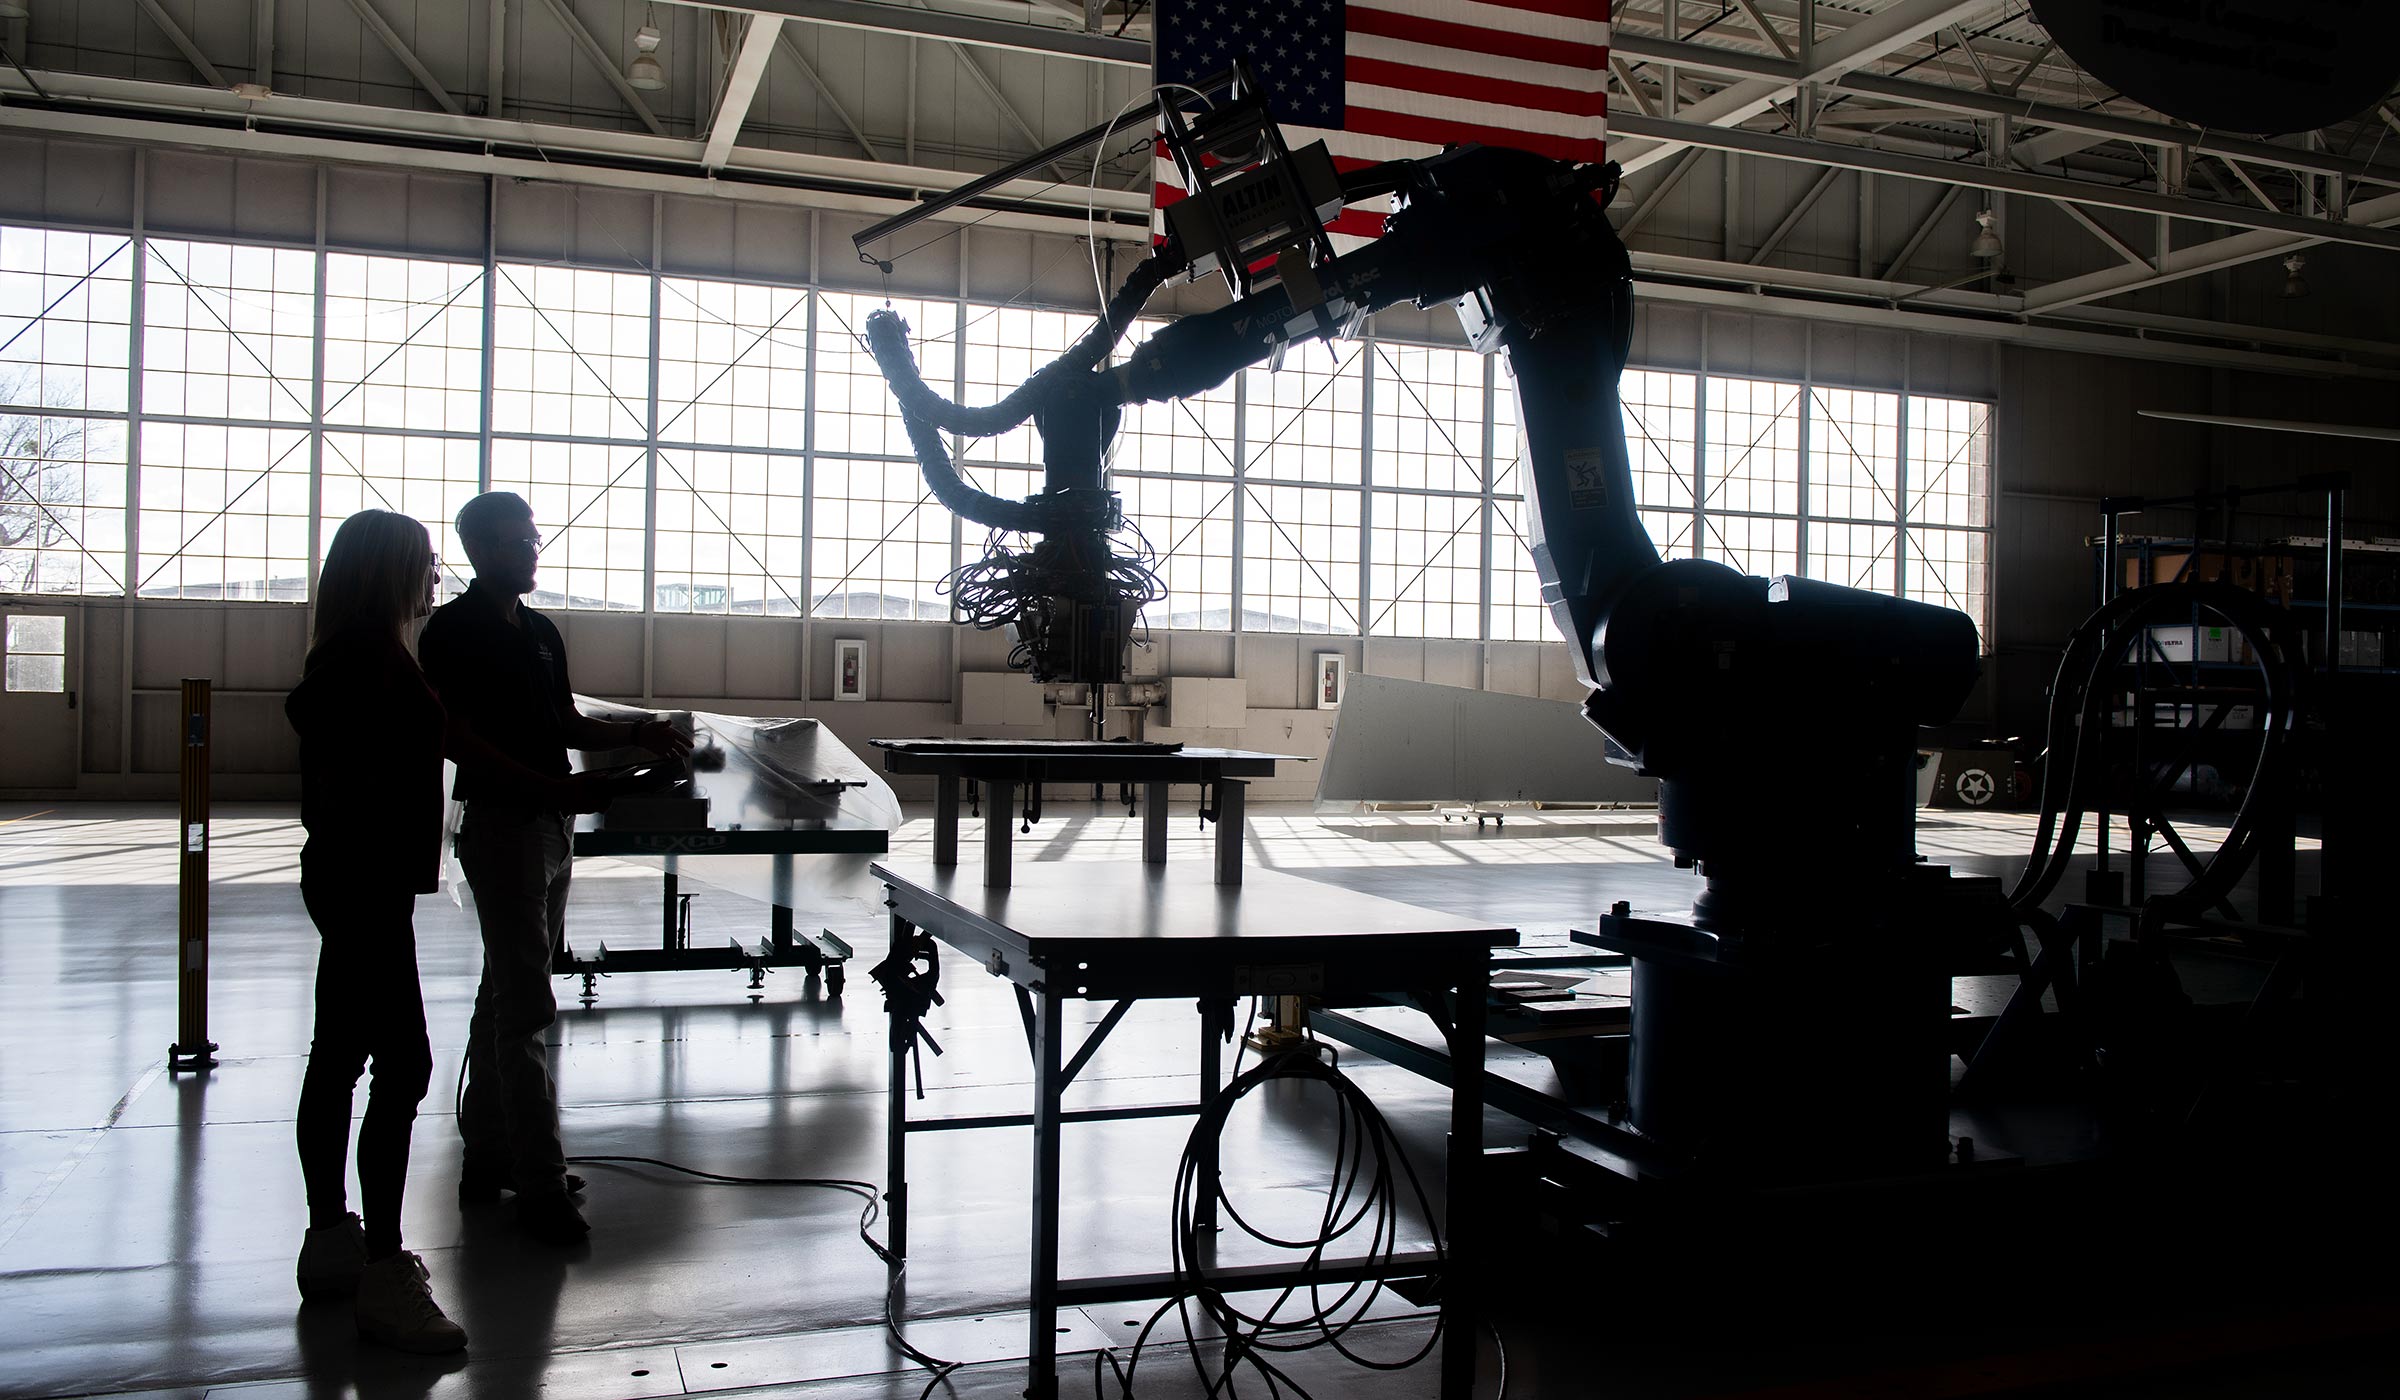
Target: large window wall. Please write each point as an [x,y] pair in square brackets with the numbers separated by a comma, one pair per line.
[193,419]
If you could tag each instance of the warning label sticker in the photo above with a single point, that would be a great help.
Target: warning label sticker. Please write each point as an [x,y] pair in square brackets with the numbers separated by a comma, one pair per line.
[1587,484]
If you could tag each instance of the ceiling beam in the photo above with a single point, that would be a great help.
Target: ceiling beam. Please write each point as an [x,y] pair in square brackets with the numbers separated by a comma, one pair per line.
[1008,109]
[2150,349]
[1947,172]
[1633,87]
[791,50]
[1800,210]
[495,57]
[183,44]
[2249,184]
[1925,227]
[763,178]
[1765,30]
[161,112]
[2200,258]
[2100,231]
[607,64]
[2148,133]
[741,88]
[1659,192]
[957,28]
[2063,123]
[376,26]
[1871,38]
[262,43]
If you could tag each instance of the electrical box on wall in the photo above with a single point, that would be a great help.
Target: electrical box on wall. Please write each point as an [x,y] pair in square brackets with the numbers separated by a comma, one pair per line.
[1000,697]
[1207,702]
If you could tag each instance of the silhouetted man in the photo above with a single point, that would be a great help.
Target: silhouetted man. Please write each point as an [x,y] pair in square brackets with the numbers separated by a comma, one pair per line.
[501,669]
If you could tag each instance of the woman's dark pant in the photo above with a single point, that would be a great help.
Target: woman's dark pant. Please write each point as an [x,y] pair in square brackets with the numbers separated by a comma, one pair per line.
[369,1009]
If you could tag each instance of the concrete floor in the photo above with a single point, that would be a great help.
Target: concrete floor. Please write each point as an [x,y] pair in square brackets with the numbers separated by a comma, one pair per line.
[148,1222]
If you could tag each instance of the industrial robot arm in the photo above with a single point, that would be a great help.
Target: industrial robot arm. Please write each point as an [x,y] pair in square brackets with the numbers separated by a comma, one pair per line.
[1708,679]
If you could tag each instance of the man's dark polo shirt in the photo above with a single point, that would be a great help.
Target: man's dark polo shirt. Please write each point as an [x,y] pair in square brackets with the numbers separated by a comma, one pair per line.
[507,681]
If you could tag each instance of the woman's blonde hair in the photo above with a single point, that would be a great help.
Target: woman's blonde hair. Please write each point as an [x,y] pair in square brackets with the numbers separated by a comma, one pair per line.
[374,576]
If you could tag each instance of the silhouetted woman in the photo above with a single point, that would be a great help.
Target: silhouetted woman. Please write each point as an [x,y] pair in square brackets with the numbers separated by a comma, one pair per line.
[371,737]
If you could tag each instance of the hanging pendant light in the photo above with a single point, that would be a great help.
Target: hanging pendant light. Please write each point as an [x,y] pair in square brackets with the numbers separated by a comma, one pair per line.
[645,73]
[2294,285]
[1986,246]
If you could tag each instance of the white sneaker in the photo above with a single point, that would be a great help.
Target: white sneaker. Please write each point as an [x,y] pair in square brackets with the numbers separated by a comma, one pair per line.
[330,1258]
[396,1307]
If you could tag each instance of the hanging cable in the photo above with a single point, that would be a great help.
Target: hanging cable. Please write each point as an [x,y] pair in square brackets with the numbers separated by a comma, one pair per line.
[2075,769]
[1361,1204]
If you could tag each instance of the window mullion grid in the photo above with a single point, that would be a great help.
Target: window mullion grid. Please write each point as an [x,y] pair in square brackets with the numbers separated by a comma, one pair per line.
[650,474]
[136,350]
[808,466]
[1700,460]
[491,325]
[958,443]
[316,417]
[1806,410]
[1900,496]
[1241,491]
[1366,495]
[1483,620]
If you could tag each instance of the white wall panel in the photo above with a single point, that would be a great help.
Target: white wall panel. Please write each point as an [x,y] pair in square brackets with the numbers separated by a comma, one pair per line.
[173,640]
[265,648]
[1514,667]
[1757,346]
[604,651]
[1666,335]
[210,195]
[1857,355]
[399,211]
[104,697]
[762,658]
[688,655]
[66,182]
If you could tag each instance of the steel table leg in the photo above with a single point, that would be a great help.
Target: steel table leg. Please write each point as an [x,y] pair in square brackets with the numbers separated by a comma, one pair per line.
[1212,1072]
[1229,830]
[1459,1315]
[895,1127]
[945,820]
[1154,823]
[1049,1087]
[667,934]
[779,901]
[999,833]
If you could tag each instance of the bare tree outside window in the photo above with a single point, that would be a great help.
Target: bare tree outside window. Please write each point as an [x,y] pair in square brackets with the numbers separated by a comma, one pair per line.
[41,487]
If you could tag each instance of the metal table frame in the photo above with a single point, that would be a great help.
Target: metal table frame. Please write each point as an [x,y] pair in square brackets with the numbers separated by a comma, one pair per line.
[1444,969]
[784,946]
[1003,770]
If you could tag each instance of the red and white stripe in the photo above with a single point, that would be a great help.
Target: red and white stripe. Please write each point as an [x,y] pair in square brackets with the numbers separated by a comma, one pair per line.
[1422,74]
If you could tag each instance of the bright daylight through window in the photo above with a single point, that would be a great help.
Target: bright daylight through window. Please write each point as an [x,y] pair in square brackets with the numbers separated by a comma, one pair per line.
[702,446]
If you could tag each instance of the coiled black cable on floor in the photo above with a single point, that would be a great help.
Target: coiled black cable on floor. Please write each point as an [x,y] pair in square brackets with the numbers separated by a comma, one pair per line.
[866,1191]
[1362,1200]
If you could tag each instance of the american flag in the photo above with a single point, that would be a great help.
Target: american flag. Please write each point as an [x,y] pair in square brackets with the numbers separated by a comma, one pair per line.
[1393,79]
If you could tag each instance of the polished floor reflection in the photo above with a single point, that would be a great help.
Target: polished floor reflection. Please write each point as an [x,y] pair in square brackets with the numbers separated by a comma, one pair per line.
[148,1222]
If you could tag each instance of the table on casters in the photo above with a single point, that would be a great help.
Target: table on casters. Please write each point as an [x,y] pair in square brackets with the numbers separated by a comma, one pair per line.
[1121,932]
[783,946]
